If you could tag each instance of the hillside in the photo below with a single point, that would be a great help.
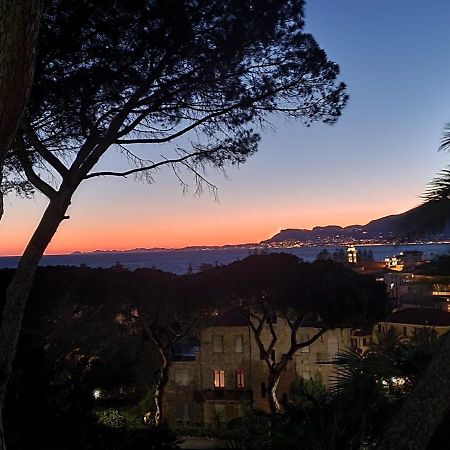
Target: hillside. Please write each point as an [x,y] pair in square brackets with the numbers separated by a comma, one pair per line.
[429,219]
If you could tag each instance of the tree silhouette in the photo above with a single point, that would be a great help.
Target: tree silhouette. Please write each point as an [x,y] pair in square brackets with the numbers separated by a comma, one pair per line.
[112,75]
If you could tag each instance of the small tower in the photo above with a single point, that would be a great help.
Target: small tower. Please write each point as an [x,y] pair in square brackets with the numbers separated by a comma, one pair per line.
[352,253]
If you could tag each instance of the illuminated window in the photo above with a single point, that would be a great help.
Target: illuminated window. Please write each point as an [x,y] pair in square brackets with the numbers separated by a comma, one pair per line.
[217,342]
[219,379]
[238,344]
[240,380]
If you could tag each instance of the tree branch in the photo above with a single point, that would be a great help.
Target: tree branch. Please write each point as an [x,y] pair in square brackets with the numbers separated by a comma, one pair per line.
[43,151]
[34,179]
[145,168]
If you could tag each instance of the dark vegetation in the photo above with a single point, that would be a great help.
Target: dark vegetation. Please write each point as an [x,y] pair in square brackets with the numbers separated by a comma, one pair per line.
[87,329]
[202,77]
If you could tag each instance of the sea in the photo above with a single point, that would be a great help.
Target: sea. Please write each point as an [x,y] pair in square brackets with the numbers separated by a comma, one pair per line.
[185,260]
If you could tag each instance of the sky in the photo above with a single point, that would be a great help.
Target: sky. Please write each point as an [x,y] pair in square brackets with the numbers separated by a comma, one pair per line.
[375,161]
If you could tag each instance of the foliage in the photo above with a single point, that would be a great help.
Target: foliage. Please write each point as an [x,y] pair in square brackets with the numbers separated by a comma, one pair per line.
[152,72]
[80,340]
[307,392]
[439,265]
[324,254]
[111,418]
[339,255]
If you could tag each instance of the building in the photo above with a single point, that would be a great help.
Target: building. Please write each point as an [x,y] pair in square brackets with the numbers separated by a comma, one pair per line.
[411,320]
[361,340]
[215,377]
[352,254]
[404,260]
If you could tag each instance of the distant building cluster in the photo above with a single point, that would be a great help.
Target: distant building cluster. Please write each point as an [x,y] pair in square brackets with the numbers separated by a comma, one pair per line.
[404,260]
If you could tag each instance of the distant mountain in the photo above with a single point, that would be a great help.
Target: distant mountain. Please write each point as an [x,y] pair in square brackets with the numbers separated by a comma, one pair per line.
[429,219]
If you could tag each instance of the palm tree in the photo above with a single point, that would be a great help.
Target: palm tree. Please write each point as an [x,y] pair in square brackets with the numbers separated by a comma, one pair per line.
[428,402]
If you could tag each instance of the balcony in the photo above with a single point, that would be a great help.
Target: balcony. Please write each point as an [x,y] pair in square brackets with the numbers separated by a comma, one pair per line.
[325,358]
[223,395]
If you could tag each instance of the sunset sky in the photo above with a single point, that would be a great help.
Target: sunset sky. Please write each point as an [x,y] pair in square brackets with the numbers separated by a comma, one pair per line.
[395,58]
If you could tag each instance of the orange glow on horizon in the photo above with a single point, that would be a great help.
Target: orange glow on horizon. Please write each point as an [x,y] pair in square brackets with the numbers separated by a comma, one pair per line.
[78,234]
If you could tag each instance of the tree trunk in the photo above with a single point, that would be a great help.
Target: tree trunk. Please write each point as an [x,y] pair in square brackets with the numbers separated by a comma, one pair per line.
[415,423]
[19,26]
[273,381]
[20,286]
[2,435]
[159,393]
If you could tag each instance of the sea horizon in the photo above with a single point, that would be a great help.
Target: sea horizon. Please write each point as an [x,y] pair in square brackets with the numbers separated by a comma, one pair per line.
[183,260]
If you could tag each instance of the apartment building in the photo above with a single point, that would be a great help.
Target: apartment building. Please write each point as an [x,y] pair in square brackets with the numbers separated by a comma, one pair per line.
[217,375]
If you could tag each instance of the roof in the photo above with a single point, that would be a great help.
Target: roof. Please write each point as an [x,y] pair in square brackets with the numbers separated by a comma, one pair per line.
[362,332]
[230,319]
[420,316]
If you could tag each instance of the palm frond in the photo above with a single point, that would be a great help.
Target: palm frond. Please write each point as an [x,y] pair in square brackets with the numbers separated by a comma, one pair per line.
[445,141]
[439,187]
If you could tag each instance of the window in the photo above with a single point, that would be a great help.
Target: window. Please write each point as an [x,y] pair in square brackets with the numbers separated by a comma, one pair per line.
[333,346]
[240,380]
[217,342]
[405,333]
[219,379]
[182,412]
[263,389]
[220,412]
[304,338]
[181,377]
[238,344]
[364,342]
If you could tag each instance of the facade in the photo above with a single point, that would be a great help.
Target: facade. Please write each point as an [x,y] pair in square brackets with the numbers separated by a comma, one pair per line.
[216,377]
[361,340]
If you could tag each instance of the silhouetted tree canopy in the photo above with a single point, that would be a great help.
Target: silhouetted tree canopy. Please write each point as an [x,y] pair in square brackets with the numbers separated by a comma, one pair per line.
[126,72]
[337,294]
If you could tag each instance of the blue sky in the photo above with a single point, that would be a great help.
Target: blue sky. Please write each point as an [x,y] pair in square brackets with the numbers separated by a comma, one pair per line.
[394,57]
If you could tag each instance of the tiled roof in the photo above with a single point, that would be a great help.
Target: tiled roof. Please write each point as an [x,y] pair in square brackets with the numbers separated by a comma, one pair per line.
[420,316]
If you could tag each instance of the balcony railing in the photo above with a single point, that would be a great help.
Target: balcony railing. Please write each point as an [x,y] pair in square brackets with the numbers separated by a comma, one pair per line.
[325,358]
